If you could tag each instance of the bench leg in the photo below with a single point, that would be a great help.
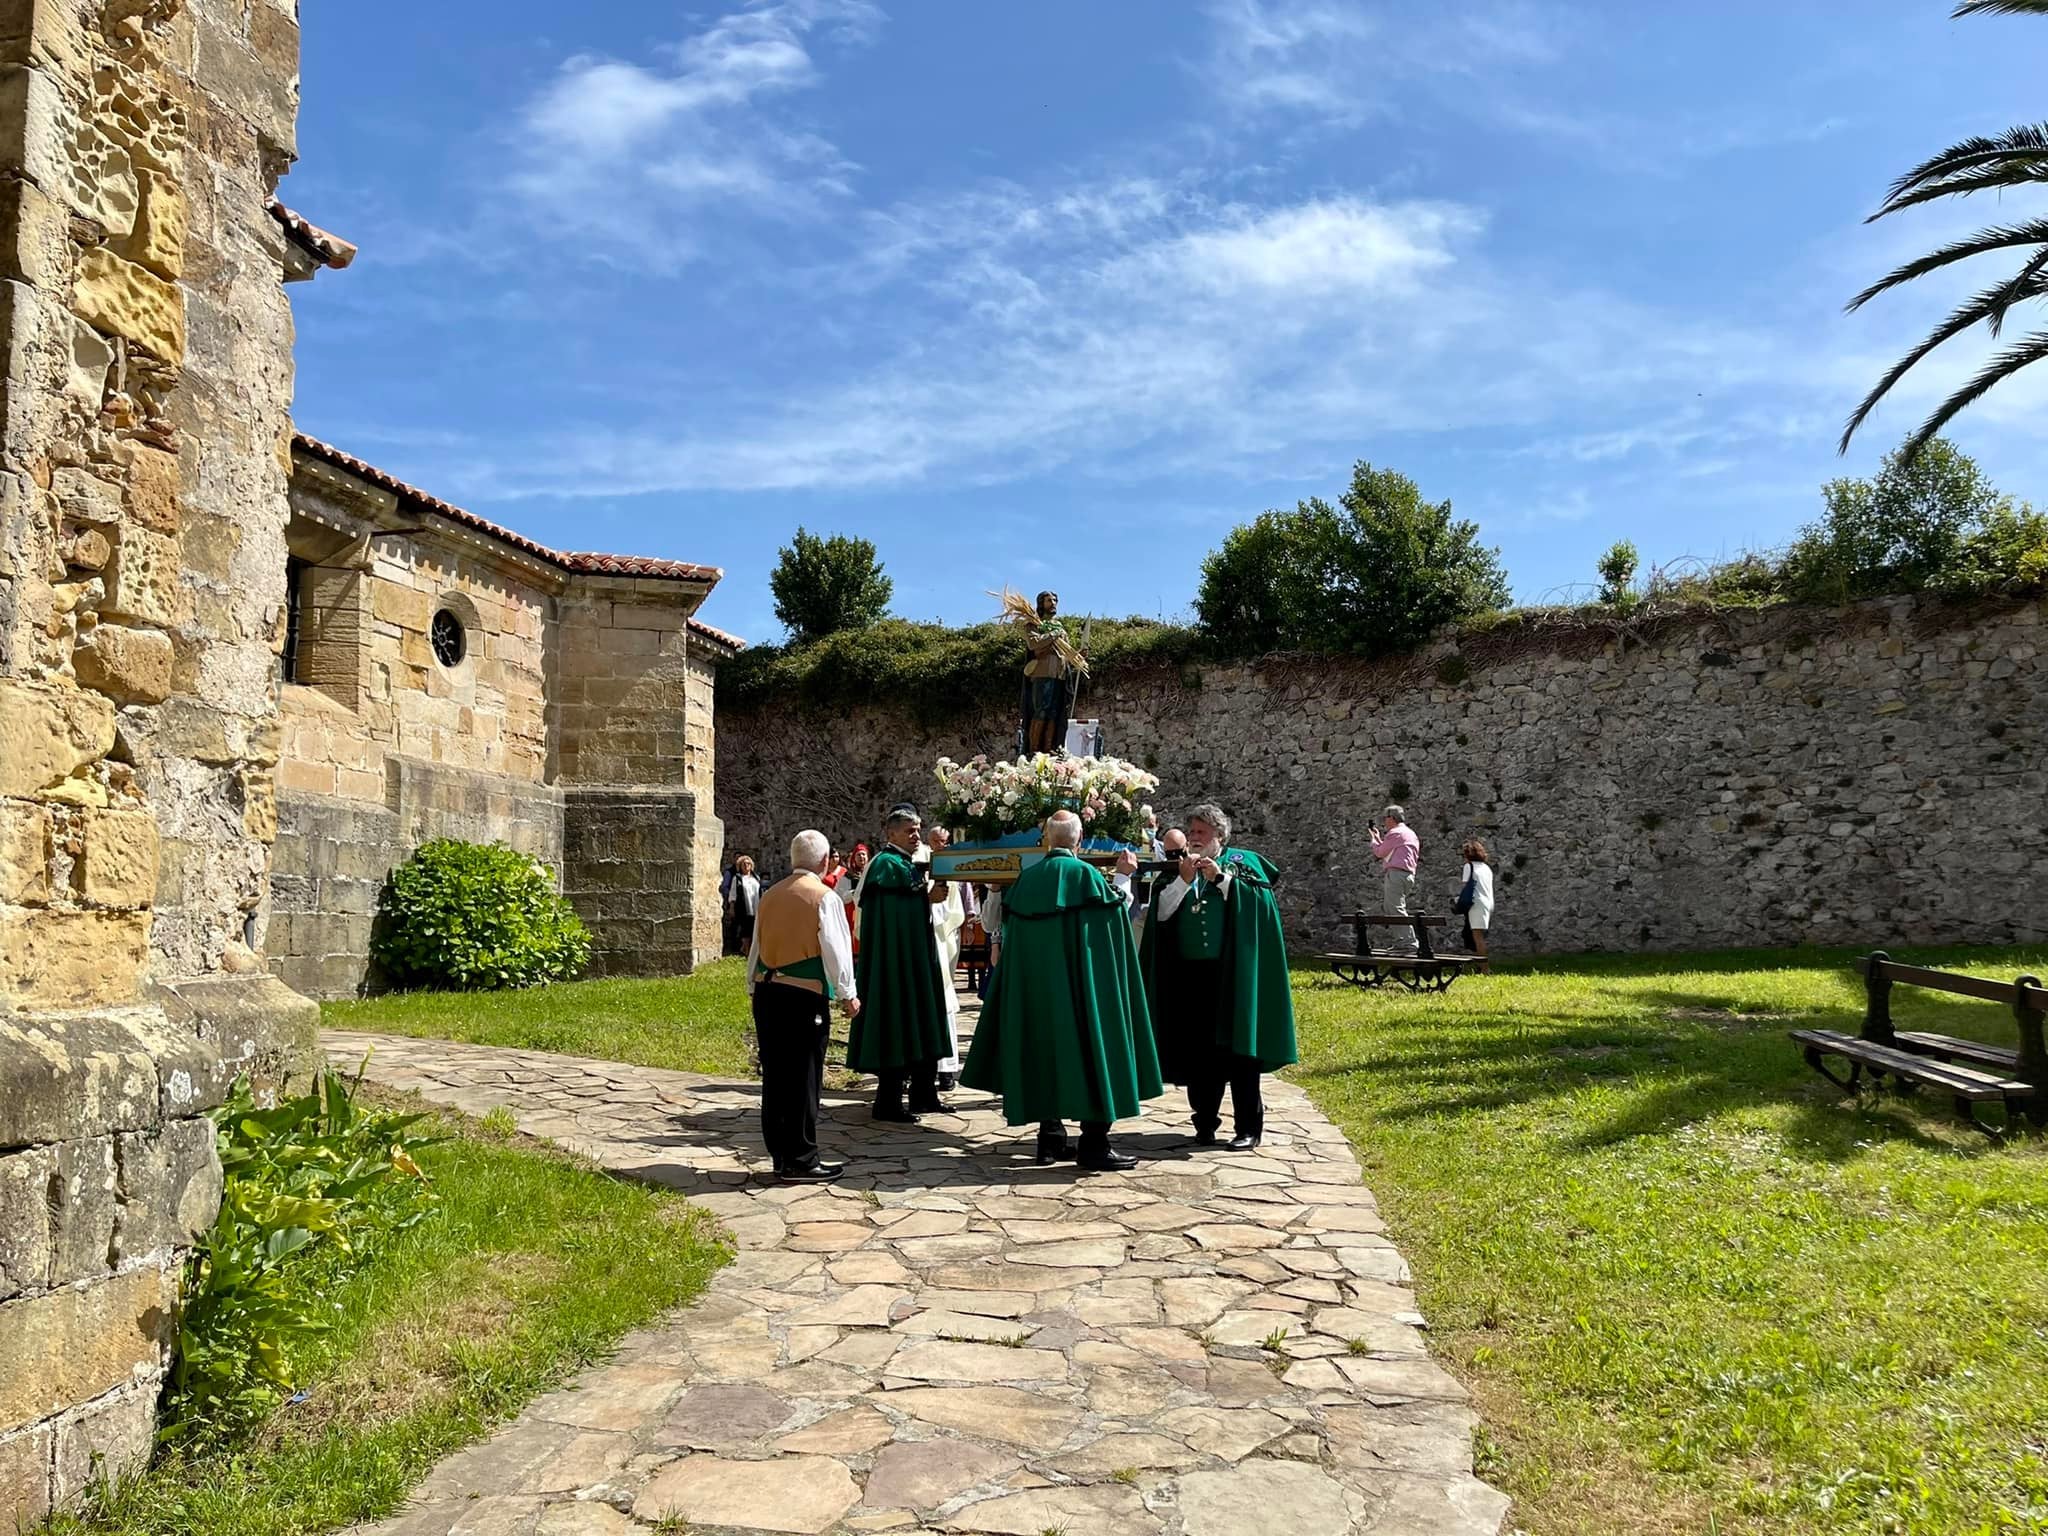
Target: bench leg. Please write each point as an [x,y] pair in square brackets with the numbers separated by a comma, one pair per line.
[1851,1084]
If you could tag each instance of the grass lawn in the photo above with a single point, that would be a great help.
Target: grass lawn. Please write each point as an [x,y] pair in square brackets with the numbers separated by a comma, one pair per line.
[534,1266]
[694,1023]
[1692,1288]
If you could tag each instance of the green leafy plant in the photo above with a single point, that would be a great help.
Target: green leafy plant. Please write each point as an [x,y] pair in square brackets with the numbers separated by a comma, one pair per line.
[824,585]
[1617,570]
[1376,574]
[475,916]
[308,1188]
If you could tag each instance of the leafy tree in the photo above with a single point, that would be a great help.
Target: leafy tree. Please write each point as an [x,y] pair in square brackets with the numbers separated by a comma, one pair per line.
[2016,158]
[1905,529]
[1379,572]
[1617,570]
[825,585]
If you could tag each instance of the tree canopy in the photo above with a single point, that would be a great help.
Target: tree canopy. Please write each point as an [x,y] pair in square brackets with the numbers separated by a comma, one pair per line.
[1379,572]
[825,585]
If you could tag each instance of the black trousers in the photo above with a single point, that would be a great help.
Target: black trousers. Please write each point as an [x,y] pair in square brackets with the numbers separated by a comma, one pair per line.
[1215,1070]
[792,1025]
[920,1080]
[1094,1133]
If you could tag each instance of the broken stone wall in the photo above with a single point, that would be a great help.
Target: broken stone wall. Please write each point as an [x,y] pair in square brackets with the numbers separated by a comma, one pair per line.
[145,408]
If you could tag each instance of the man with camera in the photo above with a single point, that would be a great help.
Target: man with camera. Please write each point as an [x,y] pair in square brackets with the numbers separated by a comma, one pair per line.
[1215,965]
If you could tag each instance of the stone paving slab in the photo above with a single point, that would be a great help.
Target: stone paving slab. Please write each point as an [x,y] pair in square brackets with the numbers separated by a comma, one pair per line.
[954,1339]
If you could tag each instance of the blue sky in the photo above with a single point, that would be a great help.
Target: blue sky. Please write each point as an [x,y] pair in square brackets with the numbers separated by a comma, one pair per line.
[1056,293]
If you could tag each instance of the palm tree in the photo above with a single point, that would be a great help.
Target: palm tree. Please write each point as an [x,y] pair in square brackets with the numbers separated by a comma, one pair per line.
[2016,158]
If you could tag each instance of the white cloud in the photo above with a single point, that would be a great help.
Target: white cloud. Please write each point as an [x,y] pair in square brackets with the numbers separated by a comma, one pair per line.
[635,154]
[1335,63]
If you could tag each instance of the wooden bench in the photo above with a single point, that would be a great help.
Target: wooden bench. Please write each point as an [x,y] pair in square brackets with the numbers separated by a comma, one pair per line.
[1971,1072]
[1425,969]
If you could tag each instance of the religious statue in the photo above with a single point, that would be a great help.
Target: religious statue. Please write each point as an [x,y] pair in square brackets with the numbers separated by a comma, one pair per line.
[1048,680]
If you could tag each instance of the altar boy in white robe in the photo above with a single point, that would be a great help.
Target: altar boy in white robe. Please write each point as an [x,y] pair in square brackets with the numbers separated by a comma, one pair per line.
[949,916]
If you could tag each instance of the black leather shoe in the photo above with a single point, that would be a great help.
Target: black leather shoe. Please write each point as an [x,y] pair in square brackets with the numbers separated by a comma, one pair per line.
[1053,1150]
[897,1116]
[1243,1143]
[817,1173]
[948,1081]
[1107,1160]
[1204,1139]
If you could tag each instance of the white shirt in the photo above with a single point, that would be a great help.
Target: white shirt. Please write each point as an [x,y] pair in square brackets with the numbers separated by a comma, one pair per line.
[746,893]
[835,951]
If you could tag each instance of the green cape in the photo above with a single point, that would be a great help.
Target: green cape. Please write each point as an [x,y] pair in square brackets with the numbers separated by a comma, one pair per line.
[1252,1012]
[902,1016]
[1064,1033]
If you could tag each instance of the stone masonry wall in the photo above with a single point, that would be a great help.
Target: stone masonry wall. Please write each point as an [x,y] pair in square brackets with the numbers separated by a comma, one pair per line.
[1799,776]
[145,411]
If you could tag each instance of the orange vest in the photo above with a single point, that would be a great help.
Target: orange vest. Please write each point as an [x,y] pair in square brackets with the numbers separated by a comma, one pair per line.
[786,929]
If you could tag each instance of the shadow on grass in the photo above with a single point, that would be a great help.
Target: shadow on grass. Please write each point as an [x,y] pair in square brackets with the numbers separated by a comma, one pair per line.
[1681,1053]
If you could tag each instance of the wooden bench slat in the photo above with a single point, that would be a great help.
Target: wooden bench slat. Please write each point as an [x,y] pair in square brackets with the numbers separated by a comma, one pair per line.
[1962,986]
[1963,1082]
[2002,1058]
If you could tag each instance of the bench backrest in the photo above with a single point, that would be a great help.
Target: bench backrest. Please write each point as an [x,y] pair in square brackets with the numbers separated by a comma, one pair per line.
[2026,997]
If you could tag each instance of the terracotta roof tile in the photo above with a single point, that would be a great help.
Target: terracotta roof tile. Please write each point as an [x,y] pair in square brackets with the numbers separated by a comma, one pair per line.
[718,636]
[581,562]
[328,250]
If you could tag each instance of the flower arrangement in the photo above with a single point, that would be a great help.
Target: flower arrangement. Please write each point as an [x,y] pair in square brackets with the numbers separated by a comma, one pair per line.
[984,800]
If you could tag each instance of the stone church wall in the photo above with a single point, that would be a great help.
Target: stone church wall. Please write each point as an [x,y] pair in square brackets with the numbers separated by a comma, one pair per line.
[145,408]
[577,728]
[1790,777]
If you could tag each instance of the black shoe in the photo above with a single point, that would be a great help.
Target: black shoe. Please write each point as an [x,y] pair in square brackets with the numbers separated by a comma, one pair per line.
[1204,1139]
[930,1106]
[895,1116]
[1053,1149]
[1243,1143]
[948,1081]
[816,1173]
[1106,1160]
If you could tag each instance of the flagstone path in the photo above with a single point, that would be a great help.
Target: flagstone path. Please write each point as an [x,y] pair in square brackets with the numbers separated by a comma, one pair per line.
[955,1339]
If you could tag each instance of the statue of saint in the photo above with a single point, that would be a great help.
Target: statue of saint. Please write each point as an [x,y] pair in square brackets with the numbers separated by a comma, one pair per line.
[1048,680]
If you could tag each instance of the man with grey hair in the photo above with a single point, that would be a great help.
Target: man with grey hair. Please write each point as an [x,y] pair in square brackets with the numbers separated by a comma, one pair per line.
[1399,850]
[1215,964]
[800,961]
[1064,1034]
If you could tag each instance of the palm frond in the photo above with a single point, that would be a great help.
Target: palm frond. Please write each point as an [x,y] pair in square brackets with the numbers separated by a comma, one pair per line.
[2000,237]
[2009,171]
[1989,306]
[1996,372]
[1999,8]
[2021,144]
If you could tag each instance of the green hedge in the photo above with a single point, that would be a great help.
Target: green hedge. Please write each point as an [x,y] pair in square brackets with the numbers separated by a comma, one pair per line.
[475,917]
[935,672]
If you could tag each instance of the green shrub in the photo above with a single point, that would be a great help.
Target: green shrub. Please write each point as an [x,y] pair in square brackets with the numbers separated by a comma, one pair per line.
[309,1188]
[1377,574]
[476,916]
[935,671]
[1617,570]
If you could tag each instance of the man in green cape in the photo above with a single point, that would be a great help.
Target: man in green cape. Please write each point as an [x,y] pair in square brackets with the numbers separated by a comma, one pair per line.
[901,1032]
[1064,1033]
[1215,966]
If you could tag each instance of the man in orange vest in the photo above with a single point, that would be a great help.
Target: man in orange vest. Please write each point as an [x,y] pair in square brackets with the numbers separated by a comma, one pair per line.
[800,963]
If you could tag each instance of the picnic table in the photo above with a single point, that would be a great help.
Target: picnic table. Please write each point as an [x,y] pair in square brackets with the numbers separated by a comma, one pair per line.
[1425,968]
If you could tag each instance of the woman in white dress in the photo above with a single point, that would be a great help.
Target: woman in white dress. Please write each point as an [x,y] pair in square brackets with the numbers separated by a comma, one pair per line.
[1479,873]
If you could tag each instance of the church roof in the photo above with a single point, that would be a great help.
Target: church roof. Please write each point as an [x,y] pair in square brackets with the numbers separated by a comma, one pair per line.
[328,250]
[581,562]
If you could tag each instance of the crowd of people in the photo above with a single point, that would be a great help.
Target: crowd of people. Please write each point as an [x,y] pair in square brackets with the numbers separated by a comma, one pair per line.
[1083,1020]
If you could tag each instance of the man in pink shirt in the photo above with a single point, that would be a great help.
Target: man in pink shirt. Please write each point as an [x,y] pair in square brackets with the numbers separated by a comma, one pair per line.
[1398,850]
